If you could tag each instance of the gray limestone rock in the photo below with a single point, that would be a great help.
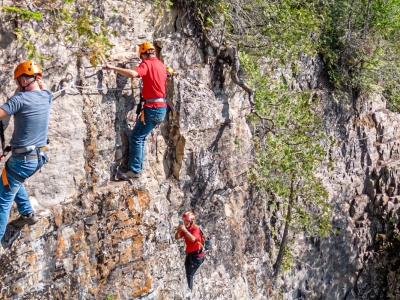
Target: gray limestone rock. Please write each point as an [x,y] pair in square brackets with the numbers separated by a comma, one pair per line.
[98,236]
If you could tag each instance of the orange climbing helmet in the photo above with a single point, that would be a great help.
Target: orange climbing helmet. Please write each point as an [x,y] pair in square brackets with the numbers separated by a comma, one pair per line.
[28,67]
[144,47]
[188,216]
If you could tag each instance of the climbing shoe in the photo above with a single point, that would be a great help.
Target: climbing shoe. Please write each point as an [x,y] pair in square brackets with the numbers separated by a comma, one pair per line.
[29,220]
[128,175]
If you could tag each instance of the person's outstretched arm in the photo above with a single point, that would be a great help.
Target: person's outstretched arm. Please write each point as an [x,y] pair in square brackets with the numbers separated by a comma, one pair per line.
[124,72]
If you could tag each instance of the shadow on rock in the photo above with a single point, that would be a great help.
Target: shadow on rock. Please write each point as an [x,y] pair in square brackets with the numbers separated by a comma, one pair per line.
[11,234]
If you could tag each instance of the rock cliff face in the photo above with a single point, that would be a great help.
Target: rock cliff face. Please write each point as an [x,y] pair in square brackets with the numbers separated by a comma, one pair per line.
[100,237]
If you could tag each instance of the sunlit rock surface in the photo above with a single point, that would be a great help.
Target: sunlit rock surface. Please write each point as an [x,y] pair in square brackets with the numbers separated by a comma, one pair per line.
[100,237]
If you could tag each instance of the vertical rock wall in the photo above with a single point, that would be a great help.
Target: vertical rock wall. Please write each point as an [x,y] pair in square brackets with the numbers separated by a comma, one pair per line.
[99,237]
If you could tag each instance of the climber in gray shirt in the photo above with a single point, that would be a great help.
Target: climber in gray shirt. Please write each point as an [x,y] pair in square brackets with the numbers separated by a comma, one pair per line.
[31,110]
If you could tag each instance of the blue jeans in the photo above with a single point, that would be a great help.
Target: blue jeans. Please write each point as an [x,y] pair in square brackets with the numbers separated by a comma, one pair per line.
[152,117]
[17,193]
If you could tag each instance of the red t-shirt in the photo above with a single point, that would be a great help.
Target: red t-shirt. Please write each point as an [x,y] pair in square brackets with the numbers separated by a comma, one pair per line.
[154,78]
[196,245]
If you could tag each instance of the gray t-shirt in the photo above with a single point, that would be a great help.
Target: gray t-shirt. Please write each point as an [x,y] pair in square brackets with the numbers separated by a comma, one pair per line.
[31,112]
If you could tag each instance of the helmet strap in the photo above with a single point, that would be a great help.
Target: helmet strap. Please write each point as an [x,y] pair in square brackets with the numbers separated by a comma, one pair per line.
[24,87]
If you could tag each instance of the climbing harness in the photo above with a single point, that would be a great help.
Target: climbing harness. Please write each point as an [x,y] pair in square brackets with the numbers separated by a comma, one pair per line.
[26,153]
[140,108]
[170,106]
[155,100]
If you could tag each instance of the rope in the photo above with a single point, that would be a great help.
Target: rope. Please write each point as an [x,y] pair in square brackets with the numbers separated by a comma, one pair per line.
[100,89]
[317,268]
[3,142]
[73,86]
[376,136]
[61,90]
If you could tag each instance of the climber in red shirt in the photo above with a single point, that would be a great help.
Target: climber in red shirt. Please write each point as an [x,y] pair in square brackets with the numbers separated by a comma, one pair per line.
[194,248]
[153,73]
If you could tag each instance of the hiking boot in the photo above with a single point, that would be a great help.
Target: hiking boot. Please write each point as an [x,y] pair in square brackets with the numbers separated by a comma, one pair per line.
[29,220]
[128,175]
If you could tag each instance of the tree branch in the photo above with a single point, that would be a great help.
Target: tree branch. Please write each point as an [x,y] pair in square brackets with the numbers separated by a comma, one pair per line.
[232,53]
[279,259]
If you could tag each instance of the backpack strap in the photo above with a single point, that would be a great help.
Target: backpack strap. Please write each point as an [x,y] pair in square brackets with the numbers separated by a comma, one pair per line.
[201,231]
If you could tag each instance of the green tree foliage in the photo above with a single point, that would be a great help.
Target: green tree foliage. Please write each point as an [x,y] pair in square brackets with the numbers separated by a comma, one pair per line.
[163,4]
[288,146]
[359,40]
[277,29]
[361,46]
[72,23]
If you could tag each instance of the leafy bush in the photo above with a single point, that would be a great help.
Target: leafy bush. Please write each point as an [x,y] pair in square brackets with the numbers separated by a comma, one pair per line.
[361,46]
[81,30]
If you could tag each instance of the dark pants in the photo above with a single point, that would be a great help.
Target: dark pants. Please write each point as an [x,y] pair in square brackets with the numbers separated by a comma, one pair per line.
[192,263]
